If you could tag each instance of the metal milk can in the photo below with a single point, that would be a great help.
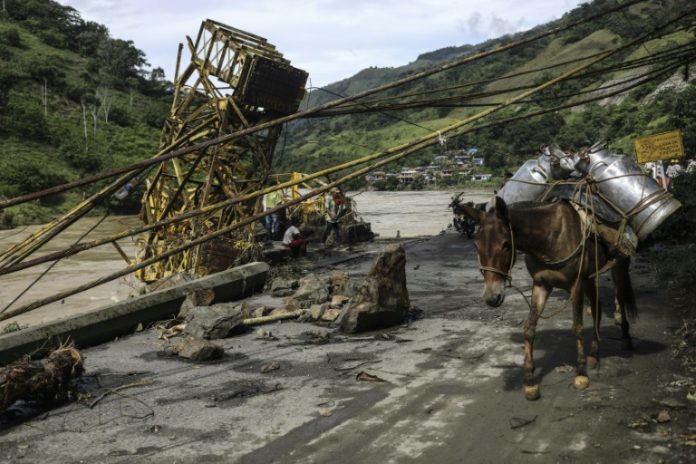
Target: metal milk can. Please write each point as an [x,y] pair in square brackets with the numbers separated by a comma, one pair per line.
[621,181]
[532,178]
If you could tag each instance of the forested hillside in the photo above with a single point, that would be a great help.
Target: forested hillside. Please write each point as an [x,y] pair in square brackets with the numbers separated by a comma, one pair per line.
[664,103]
[73,101]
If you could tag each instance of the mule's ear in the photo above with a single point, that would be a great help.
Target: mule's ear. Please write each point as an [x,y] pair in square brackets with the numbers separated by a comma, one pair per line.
[470,211]
[501,209]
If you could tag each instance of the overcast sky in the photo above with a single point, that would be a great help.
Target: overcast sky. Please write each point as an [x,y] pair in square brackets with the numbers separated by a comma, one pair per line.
[331,39]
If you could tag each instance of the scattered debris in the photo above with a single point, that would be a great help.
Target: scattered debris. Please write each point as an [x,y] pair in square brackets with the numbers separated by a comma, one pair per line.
[317,337]
[663,416]
[338,300]
[48,380]
[312,290]
[273,318]
[316,311]
[367,377]
[382,299]
[141,383]
[325,412]
[271,366]
[330,314]
[197,349]
[215,322]
[519,422]
[283,287]
[169,330]
[263,334]
[565,368]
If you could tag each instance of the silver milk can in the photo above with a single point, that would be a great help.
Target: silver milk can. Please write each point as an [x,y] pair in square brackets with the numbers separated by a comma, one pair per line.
[620,180]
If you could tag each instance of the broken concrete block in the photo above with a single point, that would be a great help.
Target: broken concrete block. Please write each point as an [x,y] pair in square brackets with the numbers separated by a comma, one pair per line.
[338,300]
[382,299]
[197,350]
[313,289]
[217,321]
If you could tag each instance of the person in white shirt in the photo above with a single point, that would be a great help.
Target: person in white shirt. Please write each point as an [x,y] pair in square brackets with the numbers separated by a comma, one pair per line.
[293,239]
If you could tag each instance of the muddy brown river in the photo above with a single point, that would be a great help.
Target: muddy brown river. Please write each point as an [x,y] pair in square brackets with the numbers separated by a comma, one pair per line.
[410,213]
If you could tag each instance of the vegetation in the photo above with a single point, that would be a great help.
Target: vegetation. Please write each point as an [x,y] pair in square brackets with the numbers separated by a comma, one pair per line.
[73,101]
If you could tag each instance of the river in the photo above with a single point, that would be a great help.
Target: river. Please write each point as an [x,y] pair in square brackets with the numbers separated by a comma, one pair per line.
[411,213]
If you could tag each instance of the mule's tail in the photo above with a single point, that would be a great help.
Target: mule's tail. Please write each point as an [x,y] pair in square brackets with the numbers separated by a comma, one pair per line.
[624,289]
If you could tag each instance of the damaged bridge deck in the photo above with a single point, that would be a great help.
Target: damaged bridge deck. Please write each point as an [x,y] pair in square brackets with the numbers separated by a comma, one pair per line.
[444,388]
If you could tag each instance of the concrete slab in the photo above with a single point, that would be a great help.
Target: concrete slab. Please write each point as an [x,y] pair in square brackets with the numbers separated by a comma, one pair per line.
[108,322]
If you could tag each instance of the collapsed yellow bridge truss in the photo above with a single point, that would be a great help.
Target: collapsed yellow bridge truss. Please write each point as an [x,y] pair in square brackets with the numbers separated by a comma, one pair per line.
[234,80]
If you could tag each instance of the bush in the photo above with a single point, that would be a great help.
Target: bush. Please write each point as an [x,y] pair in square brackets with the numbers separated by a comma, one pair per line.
[26,120]
[120,116]
[11,37]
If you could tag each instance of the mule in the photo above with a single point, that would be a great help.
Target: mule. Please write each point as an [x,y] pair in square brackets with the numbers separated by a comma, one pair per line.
[560,252]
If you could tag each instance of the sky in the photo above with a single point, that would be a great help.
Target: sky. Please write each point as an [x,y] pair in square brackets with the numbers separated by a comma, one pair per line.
[330,39]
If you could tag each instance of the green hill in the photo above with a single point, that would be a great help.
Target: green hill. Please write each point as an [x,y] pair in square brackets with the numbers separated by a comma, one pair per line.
[73,101]
[317,143]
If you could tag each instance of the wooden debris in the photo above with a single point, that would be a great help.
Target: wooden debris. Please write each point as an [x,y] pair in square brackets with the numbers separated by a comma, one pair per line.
[47,381]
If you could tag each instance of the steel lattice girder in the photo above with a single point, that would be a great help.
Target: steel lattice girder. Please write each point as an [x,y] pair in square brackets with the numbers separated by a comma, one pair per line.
[258,84]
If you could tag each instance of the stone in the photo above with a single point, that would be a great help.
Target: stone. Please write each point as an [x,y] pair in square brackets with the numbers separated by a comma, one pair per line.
[382,299]
[338,300]
[317,310]
[330,314]
[203,297]
[281,287]
[214,322]
[198,350]
[261,311]
[313,289]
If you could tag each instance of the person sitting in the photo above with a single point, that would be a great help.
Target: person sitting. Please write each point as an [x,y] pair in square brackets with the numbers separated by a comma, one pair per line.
[294,240]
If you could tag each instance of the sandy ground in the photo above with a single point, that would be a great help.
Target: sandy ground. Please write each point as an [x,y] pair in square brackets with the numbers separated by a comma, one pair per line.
[451,389]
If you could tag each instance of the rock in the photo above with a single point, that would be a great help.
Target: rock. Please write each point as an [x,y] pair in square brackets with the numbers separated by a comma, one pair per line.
[330,314]
[261,311]
[312,289]
[283,287]
[382,299]
[663,416]
[198,350]
[338,300]
[317,310]
[271,366]
[217,321]
[204,297]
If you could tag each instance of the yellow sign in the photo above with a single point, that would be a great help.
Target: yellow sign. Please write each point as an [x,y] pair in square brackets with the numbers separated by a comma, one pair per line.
[659,147]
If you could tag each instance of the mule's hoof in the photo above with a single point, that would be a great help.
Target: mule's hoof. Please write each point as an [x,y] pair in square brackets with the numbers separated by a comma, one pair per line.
[592,362]
[532,392]
[581,382]
[626,344]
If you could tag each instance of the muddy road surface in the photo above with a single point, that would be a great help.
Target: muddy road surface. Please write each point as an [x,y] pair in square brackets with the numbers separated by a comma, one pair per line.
[445,388]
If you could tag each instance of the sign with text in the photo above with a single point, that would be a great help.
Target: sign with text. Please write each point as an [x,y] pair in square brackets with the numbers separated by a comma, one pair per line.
[659,147]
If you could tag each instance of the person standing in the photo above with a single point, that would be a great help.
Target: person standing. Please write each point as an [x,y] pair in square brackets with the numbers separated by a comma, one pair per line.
[272,221]
[334,209]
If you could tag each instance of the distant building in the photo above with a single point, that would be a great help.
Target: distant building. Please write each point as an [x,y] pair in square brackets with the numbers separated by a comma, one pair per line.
[481,177]
[406,176]
[478,160]
[472,150]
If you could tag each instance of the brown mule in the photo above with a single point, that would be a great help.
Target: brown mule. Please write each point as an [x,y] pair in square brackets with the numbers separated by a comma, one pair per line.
[559,253]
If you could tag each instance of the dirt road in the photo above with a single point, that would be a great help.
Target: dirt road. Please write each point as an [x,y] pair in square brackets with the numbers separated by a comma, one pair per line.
[450,389]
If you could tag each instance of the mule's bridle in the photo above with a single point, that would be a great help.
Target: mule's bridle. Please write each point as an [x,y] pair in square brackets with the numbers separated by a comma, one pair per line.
[505,275]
